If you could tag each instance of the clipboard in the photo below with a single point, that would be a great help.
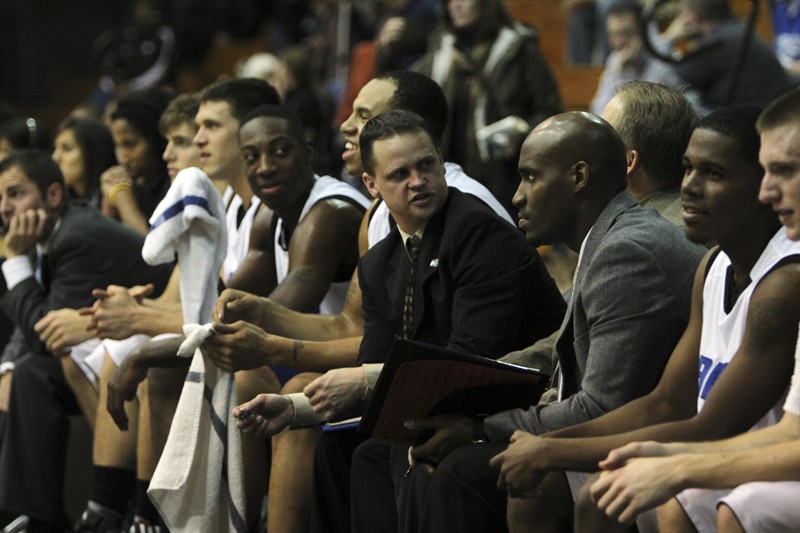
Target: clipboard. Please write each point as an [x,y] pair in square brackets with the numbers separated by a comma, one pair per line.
[421,380]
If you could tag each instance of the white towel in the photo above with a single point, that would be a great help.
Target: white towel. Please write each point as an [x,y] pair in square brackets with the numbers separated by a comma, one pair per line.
[89,355]
[190,221]
[198,485]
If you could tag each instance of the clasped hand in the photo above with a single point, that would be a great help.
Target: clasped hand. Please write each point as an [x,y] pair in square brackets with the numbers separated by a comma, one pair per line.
[240,344]
[637,477]
[112,310]
[519,474]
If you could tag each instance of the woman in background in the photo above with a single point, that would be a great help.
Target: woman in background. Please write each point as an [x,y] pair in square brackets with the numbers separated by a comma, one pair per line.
[490,68]
[132,189]
[83,151]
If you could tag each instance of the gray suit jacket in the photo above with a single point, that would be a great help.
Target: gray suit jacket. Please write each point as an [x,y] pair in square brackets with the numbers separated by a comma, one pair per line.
[629,307]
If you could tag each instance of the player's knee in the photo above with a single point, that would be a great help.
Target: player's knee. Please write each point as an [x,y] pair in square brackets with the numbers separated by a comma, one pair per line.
[727,521]
[298,383]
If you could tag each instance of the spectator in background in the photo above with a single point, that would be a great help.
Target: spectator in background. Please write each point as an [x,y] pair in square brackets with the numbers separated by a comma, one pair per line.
[786,26]
[24,132]
[586,34]
[709,26]
[132,190]
[313,107]
[136,56]
[84,150]
[628,60]
[403,33]
[265,66]
[339,26]
[490,68]
[290,74]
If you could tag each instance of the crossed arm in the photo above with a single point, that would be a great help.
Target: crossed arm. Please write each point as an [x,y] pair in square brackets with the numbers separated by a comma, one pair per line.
[642,475]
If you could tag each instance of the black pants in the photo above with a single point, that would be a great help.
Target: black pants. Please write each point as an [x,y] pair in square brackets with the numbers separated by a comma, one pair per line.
[34,442]
[330,510]
[372,495]
[461,496]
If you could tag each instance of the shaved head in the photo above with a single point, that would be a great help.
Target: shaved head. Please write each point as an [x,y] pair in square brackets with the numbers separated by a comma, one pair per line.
[578,136]
[570,167]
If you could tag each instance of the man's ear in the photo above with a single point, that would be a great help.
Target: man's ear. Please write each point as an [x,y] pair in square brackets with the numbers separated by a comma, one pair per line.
[369,183]
[580,172]
[309,148]
[54,196]
[633,160]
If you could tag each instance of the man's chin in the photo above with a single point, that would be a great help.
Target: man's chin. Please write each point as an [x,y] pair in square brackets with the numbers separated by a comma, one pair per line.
[354,170]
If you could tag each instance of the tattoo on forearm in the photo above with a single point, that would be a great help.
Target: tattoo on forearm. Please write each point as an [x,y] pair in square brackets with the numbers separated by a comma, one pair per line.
[298,345]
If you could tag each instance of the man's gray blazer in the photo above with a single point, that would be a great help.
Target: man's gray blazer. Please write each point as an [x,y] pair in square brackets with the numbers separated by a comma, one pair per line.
[629,307]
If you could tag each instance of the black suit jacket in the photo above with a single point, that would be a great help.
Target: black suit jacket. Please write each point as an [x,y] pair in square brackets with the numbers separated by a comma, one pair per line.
[86,251]
[480,288]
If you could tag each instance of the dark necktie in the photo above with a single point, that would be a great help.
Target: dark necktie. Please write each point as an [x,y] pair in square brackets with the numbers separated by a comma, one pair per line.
[412,245]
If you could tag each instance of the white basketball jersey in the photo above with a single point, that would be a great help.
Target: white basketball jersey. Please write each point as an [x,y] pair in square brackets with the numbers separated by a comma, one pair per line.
[324,187]
[238,233]
[722,332]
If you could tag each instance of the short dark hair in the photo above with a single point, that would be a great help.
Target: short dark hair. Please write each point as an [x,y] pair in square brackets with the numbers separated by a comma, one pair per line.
[242,94]
[783,110]
[739,123]
[390,124]
[657,121]
[37,165]
[419,94]
[182,109]
[276,111]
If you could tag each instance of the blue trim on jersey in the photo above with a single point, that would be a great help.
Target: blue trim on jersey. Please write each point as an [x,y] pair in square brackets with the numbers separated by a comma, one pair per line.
[178,207]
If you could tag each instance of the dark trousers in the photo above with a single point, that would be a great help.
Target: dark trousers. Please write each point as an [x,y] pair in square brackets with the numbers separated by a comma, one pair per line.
[462,495]
[330,510]
[34,442]
[372,495]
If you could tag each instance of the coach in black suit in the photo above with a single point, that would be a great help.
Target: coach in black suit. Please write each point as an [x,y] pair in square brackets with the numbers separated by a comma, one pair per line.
[56,254]
[478,286]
